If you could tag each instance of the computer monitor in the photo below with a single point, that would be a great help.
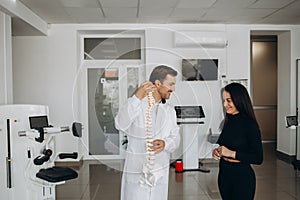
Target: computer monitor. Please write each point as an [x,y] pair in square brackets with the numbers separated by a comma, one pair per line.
[38,122]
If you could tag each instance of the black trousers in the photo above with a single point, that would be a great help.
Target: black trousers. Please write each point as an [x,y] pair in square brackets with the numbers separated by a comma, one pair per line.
[236,181]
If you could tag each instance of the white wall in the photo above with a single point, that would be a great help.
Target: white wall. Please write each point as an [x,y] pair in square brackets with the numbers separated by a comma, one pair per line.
[238,54]
[295,49]
[45,71]
[285,94]
[6,89]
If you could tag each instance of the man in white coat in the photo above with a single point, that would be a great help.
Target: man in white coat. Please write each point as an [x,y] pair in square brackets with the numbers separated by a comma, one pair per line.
[147,178]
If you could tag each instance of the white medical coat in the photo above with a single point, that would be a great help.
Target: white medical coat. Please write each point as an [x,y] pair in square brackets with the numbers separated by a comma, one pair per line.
[131,120]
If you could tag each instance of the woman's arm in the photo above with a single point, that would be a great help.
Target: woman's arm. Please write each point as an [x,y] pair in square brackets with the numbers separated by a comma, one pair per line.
[254,152]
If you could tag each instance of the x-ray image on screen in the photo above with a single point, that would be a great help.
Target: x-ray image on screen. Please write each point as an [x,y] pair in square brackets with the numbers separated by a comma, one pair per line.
[199,69]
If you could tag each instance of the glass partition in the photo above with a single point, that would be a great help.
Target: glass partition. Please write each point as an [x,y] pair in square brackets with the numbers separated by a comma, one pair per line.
[103,105]
[103,98]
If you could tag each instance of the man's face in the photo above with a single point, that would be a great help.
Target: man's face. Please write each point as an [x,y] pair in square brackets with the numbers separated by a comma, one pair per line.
[167,87]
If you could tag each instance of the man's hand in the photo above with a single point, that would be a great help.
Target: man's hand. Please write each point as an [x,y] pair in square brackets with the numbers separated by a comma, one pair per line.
[144,89]
[158,146]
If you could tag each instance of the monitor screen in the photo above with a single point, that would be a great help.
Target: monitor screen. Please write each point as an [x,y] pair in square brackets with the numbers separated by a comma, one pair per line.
[199,69]
[38,122]
[189,112]
[291,121]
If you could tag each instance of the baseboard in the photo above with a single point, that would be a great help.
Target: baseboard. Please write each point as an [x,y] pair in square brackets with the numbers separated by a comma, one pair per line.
[285,157]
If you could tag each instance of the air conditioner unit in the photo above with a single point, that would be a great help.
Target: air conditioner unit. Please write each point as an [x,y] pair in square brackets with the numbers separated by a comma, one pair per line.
[205,39]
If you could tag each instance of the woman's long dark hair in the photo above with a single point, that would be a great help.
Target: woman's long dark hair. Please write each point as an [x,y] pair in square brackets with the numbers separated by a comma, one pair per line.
[241,100]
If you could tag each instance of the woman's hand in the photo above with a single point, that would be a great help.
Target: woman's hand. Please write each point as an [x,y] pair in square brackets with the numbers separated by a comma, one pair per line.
[215,154]
[227,154]
[224,151]
[231,160]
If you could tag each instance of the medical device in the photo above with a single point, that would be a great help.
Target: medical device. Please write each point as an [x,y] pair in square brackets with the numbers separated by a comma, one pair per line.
[292,123]
[27,153]
[190,118]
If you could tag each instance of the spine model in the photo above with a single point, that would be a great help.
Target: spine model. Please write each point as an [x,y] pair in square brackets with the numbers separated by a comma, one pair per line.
[147,177]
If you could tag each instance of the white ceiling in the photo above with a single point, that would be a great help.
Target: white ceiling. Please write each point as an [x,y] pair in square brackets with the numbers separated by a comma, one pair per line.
[167,11]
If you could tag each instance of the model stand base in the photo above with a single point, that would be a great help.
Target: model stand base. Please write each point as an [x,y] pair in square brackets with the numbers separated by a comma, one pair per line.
[201,168]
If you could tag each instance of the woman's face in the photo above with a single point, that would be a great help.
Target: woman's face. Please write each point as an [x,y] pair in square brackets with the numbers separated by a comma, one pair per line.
[228,104]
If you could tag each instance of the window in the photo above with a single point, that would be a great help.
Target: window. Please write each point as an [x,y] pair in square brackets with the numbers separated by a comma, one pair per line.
[112,48]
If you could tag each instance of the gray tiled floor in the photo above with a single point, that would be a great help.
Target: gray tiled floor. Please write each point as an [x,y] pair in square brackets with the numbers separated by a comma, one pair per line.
[276,179]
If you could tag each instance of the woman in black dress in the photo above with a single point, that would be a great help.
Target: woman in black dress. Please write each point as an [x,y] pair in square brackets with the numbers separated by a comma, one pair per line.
[240,146]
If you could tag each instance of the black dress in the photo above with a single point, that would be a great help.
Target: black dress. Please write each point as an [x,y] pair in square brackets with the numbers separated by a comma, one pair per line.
[237,181]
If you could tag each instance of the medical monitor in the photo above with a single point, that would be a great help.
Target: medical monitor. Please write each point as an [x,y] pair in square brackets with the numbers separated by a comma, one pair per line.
[200,69]
[38,122]
[189,112]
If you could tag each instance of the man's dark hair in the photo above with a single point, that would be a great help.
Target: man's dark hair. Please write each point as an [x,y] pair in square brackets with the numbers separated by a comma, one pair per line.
[160,72]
